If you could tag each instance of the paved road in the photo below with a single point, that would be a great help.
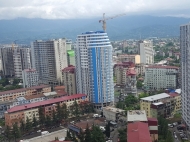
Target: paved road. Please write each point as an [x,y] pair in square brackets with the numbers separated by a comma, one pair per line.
[114,134]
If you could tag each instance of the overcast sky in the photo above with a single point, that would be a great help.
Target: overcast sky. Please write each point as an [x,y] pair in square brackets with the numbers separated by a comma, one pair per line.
[64,9]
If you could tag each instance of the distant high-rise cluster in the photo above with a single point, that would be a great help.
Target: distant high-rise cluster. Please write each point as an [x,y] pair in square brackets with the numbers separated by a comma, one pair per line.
[94,70]
[15,59]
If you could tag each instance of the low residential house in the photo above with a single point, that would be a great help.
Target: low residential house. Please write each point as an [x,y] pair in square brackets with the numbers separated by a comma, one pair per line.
[138,117]
[112,113]
[161,104]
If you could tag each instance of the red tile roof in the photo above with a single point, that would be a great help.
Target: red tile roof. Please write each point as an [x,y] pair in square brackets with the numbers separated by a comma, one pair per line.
[70,69]
[131,72]
[125,64]
[46,102]
[30,70]
[59,87]
[174,94]
[138,132]
[163,67]
[23,89]
[152,119]
[61,92]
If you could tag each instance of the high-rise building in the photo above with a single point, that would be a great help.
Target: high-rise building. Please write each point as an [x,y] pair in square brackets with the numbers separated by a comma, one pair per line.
[94,70]
[15,59]
[26,58]
[146,52]
[30,78]
[49,58]
[71,57]
[185,71]
[161,77]
[69,79]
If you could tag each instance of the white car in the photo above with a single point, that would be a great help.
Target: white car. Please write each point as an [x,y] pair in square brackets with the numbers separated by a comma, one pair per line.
[38,131]
[170,125]
[175,136]
[102,128]
[175,123]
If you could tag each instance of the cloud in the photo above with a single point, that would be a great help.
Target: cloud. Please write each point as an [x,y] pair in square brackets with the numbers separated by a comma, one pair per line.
[70,9]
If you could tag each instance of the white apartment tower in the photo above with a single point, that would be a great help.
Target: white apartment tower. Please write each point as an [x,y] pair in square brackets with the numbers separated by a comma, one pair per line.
[94,70]
[49,58]
[185,71]
[146,52]
[30,78]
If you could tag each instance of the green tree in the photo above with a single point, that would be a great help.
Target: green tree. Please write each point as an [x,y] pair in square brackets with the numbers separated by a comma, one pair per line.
[169,137]
[88,136]
[35,122]
[59,113]
[139,84]
[54,118]
[65,112]
[8,133]
[76,111]
[5,82]
[68,137]
[41,116]
[143,94]
[122,135]
[81,136]
[16,81]
[163,128]
[22,126]
[108,129]
[28,124]
[97,135]
[48,121]
[16,132]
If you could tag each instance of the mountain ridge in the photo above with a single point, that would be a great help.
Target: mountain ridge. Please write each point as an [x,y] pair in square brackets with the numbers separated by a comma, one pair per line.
[128,27]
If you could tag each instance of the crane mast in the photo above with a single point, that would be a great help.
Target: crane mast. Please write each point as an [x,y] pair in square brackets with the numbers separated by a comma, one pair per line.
[104,19]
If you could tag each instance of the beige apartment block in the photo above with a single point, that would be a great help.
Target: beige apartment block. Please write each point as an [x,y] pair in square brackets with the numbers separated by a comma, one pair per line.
[69,80]
[30,114]
[13,94]
[140,69]
[120,71]
[129,58]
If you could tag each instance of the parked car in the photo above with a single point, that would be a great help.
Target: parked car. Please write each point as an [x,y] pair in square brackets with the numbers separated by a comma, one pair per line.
[184,138]
[96,115]
[181,132]
[44,132]
[72,122]
[38,131]
[175,136]
[175,123]
[170,125]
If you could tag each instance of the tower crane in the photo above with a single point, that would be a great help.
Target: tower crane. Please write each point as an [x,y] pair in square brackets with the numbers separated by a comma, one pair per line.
[104,19]
[13,44]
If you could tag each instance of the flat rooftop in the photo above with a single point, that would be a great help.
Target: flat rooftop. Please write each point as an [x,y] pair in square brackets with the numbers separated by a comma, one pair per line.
[136,115]
[156,97]
[113,109]
[49,137]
